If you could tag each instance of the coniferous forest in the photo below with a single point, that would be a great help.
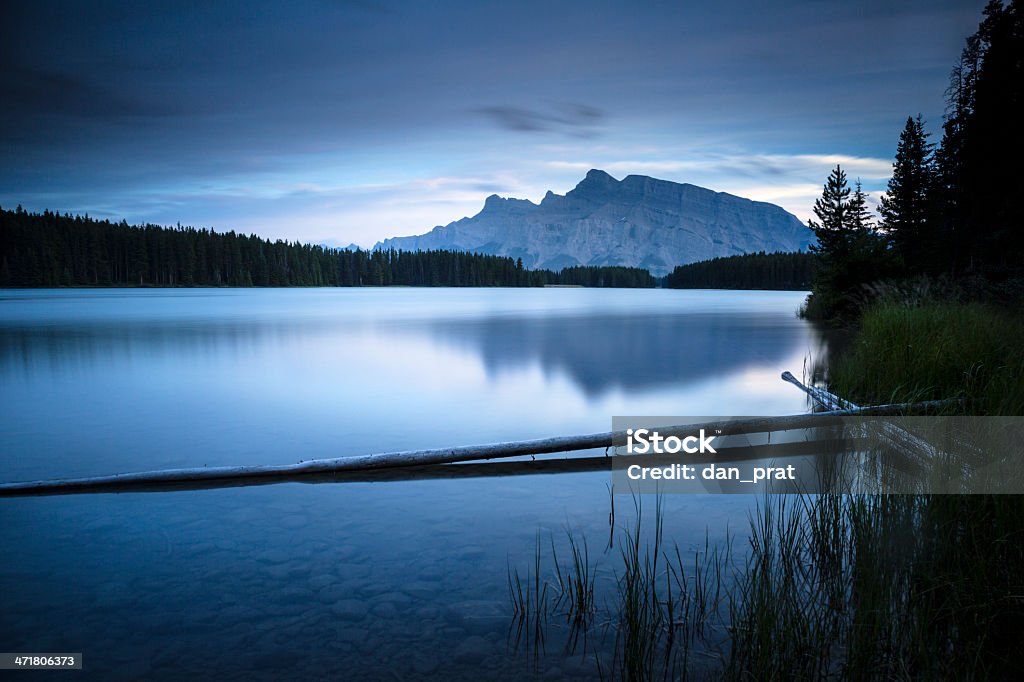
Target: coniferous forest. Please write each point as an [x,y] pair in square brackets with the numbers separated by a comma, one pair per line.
[784,271]
[952,214]
[49,249]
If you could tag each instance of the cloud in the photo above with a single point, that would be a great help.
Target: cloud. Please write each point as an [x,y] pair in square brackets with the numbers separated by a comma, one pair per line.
[577,120]
[792,181]
[32,92]
[748,165]
[856,166]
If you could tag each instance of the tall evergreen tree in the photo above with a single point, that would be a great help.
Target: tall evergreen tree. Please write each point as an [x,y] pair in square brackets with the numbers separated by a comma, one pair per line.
[989,137]
[832,247]
[831,209]
[908,208]
[860,219]
[849,251]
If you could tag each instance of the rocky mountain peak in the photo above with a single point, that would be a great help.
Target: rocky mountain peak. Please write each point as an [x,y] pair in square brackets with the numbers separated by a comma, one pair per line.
[498,204]
[636,222]
[595,184]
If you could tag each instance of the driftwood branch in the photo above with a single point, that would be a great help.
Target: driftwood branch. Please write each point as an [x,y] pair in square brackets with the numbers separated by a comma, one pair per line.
[919,450]
[829,401]
[469,453]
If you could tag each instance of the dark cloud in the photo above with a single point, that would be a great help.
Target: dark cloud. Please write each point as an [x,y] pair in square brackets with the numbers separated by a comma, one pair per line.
[751,167]
[29,92]
[108,100]
[578,120]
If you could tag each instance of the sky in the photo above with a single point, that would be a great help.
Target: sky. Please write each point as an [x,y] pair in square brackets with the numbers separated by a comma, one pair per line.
[336,121]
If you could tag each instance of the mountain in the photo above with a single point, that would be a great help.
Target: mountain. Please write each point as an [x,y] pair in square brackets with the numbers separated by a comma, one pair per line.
[333,245]
[637,221]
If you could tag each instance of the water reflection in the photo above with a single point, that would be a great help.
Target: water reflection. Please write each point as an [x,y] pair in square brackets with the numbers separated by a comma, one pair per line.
[599,351]
[627,351]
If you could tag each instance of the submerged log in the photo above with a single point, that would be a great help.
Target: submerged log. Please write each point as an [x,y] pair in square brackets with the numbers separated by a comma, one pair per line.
[829,401]
[468,453]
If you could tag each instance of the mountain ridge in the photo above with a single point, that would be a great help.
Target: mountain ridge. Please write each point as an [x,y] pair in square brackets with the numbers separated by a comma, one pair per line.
[638,221]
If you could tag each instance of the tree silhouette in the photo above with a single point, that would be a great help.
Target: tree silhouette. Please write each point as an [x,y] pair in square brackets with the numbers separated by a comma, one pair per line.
[850,253]
[908,208]
[52,250]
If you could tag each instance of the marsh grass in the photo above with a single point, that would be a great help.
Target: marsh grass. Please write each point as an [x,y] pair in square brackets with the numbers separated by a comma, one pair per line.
[830,587]
[529,597]
[934,350]
[575,583]
[641,614]
[881,587]
[896,587]
[660,604]
[841,586]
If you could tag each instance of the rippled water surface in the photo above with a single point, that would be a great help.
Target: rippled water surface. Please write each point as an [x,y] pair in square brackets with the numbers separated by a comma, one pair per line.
[379,580]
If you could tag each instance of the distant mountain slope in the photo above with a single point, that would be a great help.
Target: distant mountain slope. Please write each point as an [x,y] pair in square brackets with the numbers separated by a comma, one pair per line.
[637,222]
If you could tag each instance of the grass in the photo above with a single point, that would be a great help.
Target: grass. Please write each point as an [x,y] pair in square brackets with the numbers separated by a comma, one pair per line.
[529,597]
[913,586]
[881,587]
[936,350]
[960,567]
[831,587]
[576,582]
[641,614]
[839,586]
[898,587]
[660,605]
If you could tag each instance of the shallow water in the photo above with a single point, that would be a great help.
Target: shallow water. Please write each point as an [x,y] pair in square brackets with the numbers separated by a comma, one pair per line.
[394,580]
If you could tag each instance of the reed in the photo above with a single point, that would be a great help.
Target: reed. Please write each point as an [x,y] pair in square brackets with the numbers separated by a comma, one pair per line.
[529,598]
[575,582]
[841,586]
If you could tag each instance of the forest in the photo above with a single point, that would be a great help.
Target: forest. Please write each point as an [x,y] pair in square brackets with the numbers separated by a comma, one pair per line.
[952,216]
[781,270]
[49,250]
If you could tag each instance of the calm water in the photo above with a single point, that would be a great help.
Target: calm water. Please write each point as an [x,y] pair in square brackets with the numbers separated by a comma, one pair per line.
[385,580]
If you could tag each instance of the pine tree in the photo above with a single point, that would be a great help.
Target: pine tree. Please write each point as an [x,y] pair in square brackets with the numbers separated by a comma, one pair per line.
[908,208]
[860,219]
[850,252]
[989,211]
[831,208]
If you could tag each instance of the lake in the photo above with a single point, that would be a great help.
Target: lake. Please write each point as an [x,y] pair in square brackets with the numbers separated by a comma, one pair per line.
[380,580]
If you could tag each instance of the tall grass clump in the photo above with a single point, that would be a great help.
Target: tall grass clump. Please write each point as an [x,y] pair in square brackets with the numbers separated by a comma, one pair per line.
[880,587]
[642,615]
[934,350]
[778,608]
[529,597]
[575,582]
[933,584]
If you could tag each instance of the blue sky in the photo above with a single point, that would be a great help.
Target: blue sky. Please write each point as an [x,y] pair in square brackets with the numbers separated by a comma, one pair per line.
[340,122]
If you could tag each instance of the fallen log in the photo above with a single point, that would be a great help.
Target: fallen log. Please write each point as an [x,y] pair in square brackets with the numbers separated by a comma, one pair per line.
[916,448]
[829,401]
[461,471]
[467,453]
